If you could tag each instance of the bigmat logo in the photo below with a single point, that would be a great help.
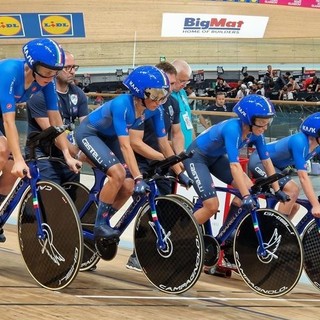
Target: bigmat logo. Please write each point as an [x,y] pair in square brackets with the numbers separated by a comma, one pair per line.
[11,26]
[56,25]
[212,25]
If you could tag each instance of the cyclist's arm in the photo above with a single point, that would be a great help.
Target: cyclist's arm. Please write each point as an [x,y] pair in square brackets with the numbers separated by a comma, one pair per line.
[62,141]
[129,156]
[265,159]
[177,138]
[269,168]
[309,191]
[167,150]
[14,145]
[238,178]
[230,134]
[138,145]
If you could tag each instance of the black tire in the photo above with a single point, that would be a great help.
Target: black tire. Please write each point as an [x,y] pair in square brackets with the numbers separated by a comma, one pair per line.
[176,268]
[55,261]
[278,272]
[183,200]
[79,195]
[311,247]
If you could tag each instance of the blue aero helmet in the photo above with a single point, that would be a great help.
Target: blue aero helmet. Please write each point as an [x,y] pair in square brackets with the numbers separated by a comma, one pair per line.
[254,106]
[311,125]
[148,82]
[44,52]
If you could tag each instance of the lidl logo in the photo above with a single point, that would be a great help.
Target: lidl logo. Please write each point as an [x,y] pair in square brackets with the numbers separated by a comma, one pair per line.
[11,26]
[56,25]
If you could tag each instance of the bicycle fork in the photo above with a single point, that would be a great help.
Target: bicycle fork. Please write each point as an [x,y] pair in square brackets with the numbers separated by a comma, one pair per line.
[261,248]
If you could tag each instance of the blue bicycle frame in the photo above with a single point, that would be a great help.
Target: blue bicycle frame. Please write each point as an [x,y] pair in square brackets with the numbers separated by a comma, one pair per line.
[14,197]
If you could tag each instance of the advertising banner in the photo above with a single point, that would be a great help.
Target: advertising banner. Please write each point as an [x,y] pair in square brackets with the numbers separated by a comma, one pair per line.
[38,25]
[212,25]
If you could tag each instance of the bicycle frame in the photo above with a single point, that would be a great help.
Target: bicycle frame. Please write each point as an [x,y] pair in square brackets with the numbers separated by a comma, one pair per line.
[271,202]
[132,210]
[15,195]
[231,226]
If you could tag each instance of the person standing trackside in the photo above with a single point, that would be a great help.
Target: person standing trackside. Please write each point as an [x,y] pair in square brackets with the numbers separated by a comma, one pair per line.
[73,105]
[21,78]
[183,75]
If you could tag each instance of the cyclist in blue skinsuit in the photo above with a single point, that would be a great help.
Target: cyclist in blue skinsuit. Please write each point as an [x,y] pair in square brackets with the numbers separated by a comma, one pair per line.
[104,138]
[20,79]
[217,153]
[295,150]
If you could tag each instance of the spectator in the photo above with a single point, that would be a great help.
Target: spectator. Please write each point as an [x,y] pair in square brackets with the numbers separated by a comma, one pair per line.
[247,78]
[242,92]
[183,75]
[287,92]
[99,98]
[221,85]
[295,85]
[73,106]
[268,81]
[260,88]
[219,105]
[191,94]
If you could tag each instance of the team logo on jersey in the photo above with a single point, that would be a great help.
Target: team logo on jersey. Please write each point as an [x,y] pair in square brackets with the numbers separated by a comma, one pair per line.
[9,106]
[74,99]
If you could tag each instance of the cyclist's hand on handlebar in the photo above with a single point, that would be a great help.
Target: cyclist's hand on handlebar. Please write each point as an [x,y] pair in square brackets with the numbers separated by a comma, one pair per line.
[185,180]
[20,169]
[74,165]
[248,203]
[281,196]
[141,187]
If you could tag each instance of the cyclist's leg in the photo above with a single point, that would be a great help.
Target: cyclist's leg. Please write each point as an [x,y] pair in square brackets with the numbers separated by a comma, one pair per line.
[107,161]
[7,180]
[289,208]
[197,168]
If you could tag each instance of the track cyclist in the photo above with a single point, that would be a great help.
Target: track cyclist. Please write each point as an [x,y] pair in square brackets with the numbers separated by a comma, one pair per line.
[20,79]
[217,153]
[294,150]
[103,136]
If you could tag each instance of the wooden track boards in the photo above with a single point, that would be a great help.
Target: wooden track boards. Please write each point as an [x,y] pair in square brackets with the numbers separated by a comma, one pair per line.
[113,292]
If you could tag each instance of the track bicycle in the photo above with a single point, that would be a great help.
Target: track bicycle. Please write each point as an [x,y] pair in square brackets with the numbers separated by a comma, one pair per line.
[49,230]
[308,228]
[266,247]
[168,241]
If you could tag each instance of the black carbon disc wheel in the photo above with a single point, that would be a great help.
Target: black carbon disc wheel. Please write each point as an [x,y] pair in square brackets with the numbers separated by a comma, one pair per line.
[177,267]
[278,272]
[183,200]
[79,195]
[311,247]
[53,262]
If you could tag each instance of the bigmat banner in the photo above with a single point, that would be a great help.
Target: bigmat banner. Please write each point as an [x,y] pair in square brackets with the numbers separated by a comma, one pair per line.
[212,25]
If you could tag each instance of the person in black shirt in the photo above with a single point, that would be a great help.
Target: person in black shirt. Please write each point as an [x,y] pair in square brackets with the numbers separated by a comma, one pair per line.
[73,106]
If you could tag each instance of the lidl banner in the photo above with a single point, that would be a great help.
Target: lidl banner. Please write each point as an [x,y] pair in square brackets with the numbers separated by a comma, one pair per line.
[38,25]
[212,25]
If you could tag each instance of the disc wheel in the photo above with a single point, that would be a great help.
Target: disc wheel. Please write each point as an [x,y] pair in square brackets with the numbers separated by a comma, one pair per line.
[276,273]
[54,261]
[176,267]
